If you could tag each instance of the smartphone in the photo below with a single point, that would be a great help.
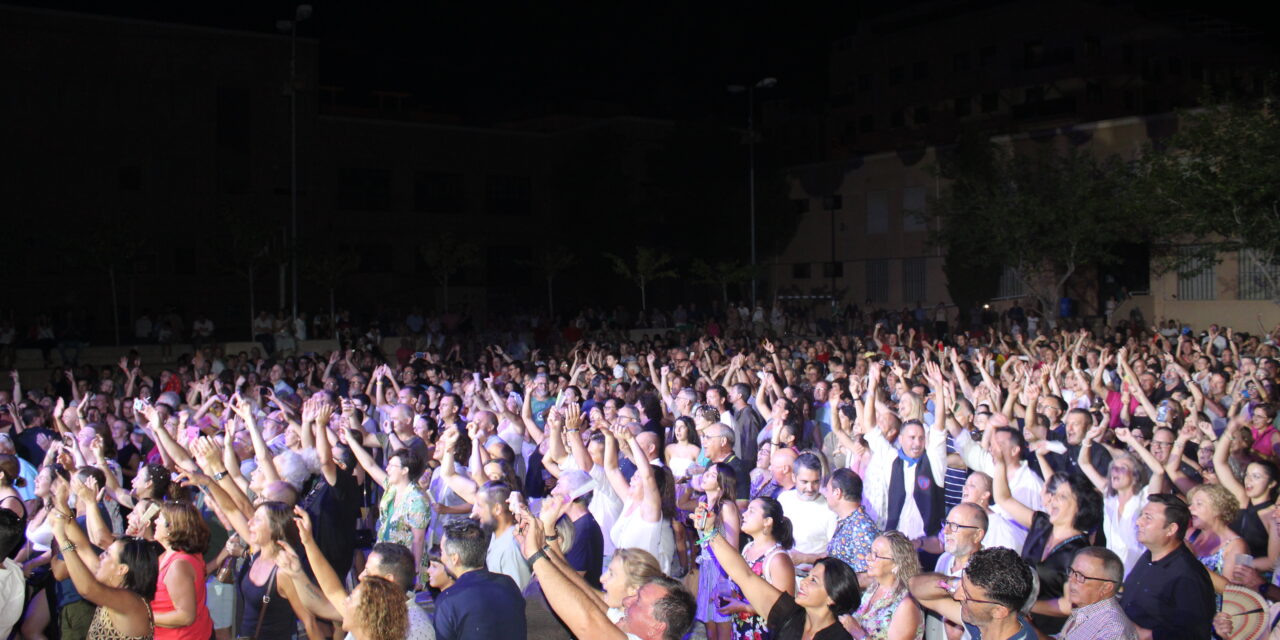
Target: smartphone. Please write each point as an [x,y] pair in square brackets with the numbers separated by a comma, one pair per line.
[1244,560]
[1162,414]
[139,405]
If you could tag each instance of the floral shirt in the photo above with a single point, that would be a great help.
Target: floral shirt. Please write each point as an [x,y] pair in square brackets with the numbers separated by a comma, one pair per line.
[397,521]
[852,539]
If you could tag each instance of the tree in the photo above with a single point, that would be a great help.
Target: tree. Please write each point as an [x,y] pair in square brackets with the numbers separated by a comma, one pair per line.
[548,263]
[1043,215]
[649,265]
[109,249]
[329,270]
[721,275]
[446,255]
[1214,187]
[251,247]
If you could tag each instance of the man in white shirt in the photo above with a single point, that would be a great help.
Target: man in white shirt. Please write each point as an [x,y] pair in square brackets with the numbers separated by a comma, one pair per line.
[812,521]
[1009,444]
[1001,530]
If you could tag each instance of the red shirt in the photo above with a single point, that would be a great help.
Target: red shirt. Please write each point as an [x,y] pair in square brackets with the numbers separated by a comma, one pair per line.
[202,628]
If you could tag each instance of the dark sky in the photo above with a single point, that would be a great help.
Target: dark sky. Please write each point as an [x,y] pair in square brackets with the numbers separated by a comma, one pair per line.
[490,61]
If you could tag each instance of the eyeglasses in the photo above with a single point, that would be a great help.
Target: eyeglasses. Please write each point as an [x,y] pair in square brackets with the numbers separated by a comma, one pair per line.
[953,526]
[969,598]
[1080,578]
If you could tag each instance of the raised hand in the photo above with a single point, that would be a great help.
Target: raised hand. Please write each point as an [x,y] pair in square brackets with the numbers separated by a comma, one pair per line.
[303,521]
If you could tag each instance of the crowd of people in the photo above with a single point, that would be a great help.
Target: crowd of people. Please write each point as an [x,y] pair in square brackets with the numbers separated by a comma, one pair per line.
[903,480]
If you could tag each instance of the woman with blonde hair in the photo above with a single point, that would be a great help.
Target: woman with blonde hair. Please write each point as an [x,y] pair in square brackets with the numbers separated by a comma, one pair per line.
[628,570]
[887,611]
[1218,547]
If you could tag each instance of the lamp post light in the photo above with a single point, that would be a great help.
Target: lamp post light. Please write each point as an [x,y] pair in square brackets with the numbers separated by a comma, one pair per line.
[763,83]
[300,13]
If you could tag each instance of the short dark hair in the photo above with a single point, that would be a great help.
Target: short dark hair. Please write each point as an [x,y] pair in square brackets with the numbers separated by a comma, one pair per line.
[1016,436]
[469,540]
[411,462]
[848,482]
[675,610]
[1088,500]
[1003,574]
[188,532]
[1111,563]
[808,461]
[1175,512]
[841,584]
[495,491]
[398,560]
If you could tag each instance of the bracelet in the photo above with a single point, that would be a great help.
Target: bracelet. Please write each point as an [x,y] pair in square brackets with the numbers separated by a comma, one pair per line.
[554,536]
[708,537]
[533,559]
[70,546]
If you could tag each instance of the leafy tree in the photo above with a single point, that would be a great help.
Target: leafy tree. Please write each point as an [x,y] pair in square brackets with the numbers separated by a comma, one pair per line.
[1044,214]
[330,269]
[446,255]
[548,263]
[1214,187]
[721,275]
[649,265]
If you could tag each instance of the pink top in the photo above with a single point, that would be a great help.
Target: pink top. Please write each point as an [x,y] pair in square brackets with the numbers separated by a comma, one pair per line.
[202,628]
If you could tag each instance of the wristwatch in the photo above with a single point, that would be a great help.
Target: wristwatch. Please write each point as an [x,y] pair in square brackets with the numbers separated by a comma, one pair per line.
[217,477]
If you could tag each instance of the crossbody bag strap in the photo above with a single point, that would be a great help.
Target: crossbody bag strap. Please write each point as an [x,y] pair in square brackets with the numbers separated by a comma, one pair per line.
[266,600]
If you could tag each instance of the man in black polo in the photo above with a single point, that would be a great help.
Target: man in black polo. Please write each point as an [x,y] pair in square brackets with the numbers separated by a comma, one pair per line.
[481,605]
[1168,594]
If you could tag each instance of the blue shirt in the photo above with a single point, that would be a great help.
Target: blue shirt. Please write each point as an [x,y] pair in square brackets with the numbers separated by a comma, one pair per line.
[587,552]
[481,605]
[852,539]
[1025,632]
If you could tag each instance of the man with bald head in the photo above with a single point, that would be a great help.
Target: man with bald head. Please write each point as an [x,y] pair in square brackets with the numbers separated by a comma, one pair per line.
[1000,530]
[962,534]
[782,474]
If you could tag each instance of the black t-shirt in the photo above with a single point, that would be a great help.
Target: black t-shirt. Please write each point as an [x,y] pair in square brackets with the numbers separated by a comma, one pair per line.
[25,444]
[1052,571]
[334,510]
[786,622]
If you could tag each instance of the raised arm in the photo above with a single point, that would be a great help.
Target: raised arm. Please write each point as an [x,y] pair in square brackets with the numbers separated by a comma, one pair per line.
[125,604]
[617,480]
[1220,454]
[367,462]
[759,593]
[1021,513]
[1086,461]
[1158,479]
[651,510]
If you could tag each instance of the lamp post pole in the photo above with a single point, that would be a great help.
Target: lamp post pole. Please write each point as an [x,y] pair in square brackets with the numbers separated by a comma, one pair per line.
[300,13]
[764,83]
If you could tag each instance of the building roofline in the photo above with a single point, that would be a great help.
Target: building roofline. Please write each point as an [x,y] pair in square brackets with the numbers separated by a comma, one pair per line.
[152,23]
[493,130]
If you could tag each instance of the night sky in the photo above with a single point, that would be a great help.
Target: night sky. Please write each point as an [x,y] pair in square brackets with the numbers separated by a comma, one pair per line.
[486,62]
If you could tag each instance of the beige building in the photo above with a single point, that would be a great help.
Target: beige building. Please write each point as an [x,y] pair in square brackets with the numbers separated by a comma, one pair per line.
[862,236]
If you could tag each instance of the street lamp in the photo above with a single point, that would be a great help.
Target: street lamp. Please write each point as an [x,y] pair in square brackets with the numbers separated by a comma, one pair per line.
[300,13]
[763,83]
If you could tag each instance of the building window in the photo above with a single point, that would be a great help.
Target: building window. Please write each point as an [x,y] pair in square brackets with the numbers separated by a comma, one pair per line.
[1197,280]
[895,76]
[913,280]
[1259,277]
[1033,54]
[990,102]
[878,280]
[921,70]
[833,269]
[866,123]
[362,189]
[510,195]
[435,192]
[1092,47]
[130,178]
[800,271]
[962,107]
[987,57]
[877,212]
[1010,284]
[914,203]
[960,62]
[921,116]
[897,117]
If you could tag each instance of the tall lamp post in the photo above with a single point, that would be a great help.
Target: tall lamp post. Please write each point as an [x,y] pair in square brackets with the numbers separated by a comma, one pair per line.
[300,13]
[763,83]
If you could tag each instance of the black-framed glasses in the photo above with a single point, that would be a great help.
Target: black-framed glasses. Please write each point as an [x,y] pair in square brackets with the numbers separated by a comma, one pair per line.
[1080,578]
[954,526]
[969,598]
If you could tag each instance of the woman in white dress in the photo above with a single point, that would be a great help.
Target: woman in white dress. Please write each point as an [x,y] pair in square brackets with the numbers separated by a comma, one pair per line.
[1124,492]
[684,448]
[640,524]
